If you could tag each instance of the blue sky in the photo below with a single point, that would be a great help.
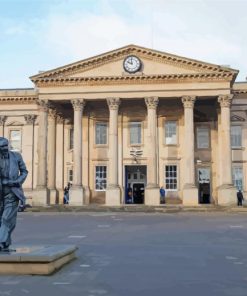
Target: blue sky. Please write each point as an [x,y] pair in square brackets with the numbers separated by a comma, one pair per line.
[41,35]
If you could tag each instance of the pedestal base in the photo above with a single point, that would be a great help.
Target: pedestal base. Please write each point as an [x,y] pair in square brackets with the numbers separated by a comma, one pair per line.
[40,197]
[86,195]
[152,196]
[53,196]
[190,195]
[113,196]
[227,195]
[76,196]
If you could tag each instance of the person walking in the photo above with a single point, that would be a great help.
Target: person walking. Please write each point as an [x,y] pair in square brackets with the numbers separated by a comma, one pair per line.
[240,198]
[162,195]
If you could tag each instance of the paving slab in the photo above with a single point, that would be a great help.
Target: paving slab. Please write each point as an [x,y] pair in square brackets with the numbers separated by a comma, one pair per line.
[36,259]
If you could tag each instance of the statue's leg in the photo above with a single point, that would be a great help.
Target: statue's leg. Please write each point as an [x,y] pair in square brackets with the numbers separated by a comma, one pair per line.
[8,219]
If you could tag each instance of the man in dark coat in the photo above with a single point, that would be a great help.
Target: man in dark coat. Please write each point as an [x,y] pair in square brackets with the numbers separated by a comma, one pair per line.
[240,198]
[13,173]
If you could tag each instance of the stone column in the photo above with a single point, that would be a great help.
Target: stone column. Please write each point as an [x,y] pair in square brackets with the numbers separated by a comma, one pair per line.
[3,119]
[152,193]
[60,157]
[190,191]
[41,196]
[76,192]
[113,192]
[52,156]
[226,190]
[28,148]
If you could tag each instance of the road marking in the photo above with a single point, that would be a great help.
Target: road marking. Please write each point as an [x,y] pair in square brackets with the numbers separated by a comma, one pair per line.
[231,258]
[84,265]
[103,226]
[236,226]
[11,283]
[25,291]
[118,219]
[61,283]
[77,236]
[238,263]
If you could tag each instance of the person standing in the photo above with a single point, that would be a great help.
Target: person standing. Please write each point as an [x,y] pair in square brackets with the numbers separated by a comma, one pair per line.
[162,195]
[240,198]
[13,173]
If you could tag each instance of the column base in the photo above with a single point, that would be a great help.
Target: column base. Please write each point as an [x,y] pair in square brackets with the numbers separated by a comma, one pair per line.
[40,197]
[76,196]
[190,195]
[227,195]
[53,196]
[86,195]
[113,196]
[152,196]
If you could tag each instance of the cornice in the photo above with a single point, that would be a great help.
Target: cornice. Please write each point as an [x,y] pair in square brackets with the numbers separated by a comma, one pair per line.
[140,79]
[239,91]
[17,99]
[111,56]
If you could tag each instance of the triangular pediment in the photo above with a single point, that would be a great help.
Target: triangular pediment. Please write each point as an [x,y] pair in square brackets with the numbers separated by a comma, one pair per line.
[154,63]
[237,118]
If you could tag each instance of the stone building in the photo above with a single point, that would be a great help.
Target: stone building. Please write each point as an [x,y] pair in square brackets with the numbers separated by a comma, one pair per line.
[121,124]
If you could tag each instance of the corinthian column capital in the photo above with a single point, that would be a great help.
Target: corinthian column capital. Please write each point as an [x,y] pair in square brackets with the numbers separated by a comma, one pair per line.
[78,104]
[188,101]
[152,102]
[30,118]
[43,105]
[113,103]
[225,100]
[3,119]
[52,114]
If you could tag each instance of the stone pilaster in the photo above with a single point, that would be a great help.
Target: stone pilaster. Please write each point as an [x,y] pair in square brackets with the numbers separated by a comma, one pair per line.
[76,192]
[41,195]
[226,190]
[190,191]
[113,192]
[3,119]
[52,115]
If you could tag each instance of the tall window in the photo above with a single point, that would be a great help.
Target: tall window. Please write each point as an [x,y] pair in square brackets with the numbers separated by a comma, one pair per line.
[236,136]
[100,178]
[202,137]
[70,176]
[101,133]
[237,177]
[135,133]
[71,138]
[171,132]
[15,140]
[171,179]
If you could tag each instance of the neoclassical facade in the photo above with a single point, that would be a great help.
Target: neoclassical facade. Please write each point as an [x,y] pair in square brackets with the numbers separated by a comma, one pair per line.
[120,125]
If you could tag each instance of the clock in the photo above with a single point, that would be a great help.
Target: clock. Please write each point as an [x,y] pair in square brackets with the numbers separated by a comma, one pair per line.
[132,64]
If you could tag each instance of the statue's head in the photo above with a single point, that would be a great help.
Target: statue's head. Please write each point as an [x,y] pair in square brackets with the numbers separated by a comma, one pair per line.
[4,145]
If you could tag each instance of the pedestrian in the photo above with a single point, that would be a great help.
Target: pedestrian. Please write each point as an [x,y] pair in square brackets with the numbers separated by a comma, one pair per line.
[240,198]
[129,195]
[162,195]
[66,194]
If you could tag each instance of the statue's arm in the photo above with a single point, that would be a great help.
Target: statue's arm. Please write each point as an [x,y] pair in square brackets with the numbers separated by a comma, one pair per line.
[23,170]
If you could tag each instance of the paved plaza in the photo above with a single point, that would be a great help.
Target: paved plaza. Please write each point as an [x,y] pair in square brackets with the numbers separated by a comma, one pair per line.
[137,254]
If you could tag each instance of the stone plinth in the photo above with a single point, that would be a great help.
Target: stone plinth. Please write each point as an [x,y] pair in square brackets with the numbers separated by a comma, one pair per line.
[42,260]
[227,195]
[190,195]
[113,196]
[152,196]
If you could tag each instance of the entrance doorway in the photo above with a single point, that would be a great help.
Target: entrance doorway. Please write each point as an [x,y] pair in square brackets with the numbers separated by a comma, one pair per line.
[135,182]
[204,185]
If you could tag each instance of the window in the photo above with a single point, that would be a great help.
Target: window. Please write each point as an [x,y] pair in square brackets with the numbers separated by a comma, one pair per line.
[202,137]
[71,138]
[135,133]
[236,136]
[100,178]
[101,133]
[237,177]
[15,140]
[171,177]
[171,132]
[70,176]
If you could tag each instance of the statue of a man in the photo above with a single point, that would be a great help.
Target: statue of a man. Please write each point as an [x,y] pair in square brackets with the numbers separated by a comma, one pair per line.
[13,173]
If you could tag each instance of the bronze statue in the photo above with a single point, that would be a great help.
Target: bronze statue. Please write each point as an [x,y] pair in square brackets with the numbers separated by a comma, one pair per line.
[13,173]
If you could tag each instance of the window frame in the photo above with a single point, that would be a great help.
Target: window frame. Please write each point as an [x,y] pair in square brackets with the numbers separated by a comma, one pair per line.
[68,175]
[129,130]
[209,137]
[177,177]
[237,166]
[95,171]
[241,136]
[164,127]
[95,134]
[9,132]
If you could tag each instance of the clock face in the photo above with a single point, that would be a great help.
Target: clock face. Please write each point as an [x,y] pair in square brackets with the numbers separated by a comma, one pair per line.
[132,64]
